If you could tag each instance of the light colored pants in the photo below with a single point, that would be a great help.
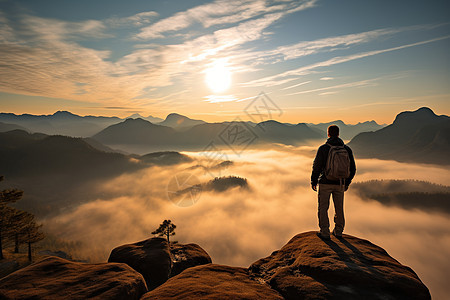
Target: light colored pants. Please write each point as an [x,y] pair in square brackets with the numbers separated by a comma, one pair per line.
[325,190]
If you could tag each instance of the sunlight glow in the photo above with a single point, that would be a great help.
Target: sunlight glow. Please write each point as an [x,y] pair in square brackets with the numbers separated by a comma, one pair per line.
[218,76]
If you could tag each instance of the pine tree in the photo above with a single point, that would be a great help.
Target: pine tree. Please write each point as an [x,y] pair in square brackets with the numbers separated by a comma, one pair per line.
[6,197]
[32,234]
[166,228]
[18,223]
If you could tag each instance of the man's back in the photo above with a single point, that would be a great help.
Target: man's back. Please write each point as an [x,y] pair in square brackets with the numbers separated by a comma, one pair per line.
[320,161]
[332,186]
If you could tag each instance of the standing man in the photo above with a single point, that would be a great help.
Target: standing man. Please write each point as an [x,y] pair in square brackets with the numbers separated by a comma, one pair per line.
[333,168]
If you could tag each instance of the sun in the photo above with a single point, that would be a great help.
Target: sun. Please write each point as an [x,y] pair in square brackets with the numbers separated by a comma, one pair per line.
[218,76]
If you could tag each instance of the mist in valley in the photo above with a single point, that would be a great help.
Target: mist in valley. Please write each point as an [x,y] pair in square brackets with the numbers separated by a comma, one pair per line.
[240,225]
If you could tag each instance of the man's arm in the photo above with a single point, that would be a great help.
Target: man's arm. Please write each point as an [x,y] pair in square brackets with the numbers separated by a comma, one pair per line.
[352,167]
[317,168]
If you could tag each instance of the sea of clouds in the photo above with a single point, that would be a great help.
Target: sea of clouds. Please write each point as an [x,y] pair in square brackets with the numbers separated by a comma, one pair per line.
[239,226]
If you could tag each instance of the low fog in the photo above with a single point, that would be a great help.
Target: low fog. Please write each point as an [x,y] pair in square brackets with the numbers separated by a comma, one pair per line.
[239,226]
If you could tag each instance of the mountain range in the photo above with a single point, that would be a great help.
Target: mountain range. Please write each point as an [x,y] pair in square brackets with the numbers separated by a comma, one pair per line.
[347,131]
[414,136]
[63,123]
[67,123]
[133,133]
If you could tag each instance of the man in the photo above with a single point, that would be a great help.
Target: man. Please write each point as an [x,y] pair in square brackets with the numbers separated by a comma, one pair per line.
[332,186]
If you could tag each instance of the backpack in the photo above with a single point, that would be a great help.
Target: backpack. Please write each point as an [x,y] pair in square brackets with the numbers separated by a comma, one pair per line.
[338,164]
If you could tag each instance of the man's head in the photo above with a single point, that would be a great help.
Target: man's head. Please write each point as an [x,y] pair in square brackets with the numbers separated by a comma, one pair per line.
[333,131]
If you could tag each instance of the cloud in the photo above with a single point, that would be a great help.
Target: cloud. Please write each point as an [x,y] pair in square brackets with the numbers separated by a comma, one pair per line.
[51,29]
[220,12]
[50,62]
[296,85]
[220,98]
[48,57]
[137,20]
[306,70]
[329,44]
[239,227]
[345,85]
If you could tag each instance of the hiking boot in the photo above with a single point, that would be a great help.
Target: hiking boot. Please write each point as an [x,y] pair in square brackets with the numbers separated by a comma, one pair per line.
[336,234]
[324,237]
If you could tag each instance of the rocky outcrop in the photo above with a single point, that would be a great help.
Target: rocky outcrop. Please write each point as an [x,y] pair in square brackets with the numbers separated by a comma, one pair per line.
[187,256]
[213,281]
[157,261]
[57,278]
[308,267]
[151,258]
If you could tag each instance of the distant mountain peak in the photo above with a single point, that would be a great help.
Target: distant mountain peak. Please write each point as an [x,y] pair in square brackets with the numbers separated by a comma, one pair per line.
[64,113]
[177,120]
[136,120]
[271,122]
[176,116]
[134,116]
[417,115]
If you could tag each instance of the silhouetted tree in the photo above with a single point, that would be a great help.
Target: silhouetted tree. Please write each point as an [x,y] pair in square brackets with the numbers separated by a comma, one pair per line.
[6,197]
[166,228]
[18,223]
[32,234]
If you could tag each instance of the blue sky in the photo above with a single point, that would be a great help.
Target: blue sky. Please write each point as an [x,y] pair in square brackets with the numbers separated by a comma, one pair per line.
[317,60]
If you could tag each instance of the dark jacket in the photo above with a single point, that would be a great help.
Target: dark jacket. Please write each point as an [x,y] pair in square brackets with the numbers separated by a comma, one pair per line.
[321,160]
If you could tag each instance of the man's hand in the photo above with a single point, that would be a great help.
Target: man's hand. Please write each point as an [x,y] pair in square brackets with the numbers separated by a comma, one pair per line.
[314,187]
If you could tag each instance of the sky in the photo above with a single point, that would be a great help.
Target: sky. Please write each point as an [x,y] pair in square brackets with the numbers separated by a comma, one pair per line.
[315,60]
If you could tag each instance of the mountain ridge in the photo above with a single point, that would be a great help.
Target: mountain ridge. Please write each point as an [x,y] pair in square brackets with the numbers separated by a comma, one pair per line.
[414,136]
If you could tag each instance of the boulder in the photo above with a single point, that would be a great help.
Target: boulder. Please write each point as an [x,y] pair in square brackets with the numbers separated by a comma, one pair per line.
[213,281]
[187,256]
[308,267]
[156,260]
[57,278]
[151,258]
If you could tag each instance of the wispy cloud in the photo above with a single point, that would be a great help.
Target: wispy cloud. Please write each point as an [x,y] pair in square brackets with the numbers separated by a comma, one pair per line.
[281,77]
[138,20]
[330,44]
[220,12]
[328,93]
[345,85]
[48,57]
[296,85]
[55,65]
[220,98]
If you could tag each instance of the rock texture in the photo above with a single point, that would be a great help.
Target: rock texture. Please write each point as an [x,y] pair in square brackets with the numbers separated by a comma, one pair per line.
[151,258]
[308,267]
[157,261]
[57,278]
[213,281]
[187,256]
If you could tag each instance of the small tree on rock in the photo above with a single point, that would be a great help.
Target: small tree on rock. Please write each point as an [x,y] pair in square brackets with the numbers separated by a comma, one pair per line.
[166,228]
